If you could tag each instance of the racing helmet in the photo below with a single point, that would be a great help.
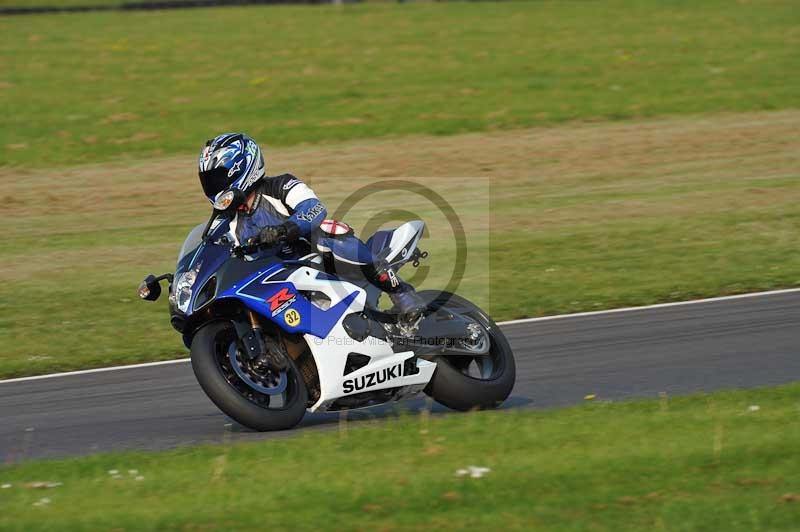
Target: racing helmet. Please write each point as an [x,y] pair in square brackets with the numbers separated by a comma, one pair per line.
[230,166]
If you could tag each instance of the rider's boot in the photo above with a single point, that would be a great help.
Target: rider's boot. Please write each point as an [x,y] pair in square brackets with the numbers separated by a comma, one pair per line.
[409,305]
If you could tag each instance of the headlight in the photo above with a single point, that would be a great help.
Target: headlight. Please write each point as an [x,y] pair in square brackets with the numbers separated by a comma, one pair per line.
[183,288]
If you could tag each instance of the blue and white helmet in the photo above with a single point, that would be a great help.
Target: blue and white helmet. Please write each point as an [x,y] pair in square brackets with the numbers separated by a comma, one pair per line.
[228,163]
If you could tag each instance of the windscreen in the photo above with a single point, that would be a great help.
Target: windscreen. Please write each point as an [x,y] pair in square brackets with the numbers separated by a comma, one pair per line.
[192,241]
[219,228]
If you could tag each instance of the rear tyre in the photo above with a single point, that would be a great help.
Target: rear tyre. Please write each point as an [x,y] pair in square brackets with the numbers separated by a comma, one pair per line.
[464,382]
[211,364]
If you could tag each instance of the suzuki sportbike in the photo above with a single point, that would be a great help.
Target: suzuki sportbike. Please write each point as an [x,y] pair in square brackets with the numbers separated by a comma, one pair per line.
[273,334]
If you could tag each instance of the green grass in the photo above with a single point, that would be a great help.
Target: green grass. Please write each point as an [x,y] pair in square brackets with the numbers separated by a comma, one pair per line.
[661,258]
[705,462]
[98,86]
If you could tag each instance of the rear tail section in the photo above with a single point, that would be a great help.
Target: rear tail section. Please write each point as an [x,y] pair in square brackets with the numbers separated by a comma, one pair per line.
[396,246]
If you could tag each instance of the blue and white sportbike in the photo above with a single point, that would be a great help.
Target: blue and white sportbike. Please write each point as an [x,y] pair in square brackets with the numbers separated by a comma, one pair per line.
[273,334]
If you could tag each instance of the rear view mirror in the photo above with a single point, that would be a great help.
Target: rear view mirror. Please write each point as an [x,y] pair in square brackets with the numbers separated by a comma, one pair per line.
[149,289]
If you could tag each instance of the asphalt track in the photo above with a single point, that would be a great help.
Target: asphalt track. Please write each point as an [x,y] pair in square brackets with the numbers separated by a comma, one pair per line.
[677,349]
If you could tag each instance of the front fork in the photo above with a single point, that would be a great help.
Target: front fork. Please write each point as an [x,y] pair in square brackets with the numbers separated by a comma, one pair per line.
[255,347]
[250,335]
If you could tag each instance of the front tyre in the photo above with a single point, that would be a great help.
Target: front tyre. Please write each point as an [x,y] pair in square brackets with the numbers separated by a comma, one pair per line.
[213,347]
[465,382]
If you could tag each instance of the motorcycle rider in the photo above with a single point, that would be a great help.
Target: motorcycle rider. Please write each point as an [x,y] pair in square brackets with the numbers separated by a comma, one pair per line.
[282,210]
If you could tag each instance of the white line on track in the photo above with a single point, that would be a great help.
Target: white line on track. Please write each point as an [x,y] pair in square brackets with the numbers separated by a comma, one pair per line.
[510,322]
[649,307]
[96,370]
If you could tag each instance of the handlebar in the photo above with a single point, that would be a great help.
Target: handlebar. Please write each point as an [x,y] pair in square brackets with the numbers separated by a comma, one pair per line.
[248,249]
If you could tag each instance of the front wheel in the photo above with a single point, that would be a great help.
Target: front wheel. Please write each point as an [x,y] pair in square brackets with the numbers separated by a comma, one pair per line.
[258,401]
[463,381]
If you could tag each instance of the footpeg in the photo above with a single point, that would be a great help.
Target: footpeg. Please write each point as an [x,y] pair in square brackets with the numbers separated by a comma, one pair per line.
[417,256]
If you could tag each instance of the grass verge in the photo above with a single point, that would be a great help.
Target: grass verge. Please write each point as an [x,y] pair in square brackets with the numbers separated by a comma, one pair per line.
[704,462]
[98,86]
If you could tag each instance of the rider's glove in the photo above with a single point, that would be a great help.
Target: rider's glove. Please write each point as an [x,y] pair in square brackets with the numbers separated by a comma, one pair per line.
[272,234]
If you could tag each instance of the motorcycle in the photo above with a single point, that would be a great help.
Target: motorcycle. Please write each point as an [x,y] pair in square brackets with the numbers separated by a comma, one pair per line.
[273,333]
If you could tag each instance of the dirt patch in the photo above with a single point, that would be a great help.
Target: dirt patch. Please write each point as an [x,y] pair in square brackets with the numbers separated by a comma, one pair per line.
[547,154]
[570,174]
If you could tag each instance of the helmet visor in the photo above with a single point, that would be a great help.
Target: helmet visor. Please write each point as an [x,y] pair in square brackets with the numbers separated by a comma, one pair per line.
[214,181]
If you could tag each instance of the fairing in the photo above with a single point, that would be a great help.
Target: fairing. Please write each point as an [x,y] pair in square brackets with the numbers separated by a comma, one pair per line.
[300,299]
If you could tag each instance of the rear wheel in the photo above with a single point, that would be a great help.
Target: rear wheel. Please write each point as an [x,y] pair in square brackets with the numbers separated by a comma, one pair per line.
[464,381]
[258,400]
